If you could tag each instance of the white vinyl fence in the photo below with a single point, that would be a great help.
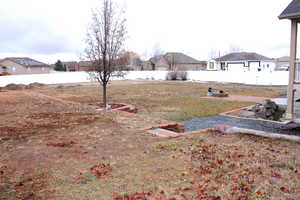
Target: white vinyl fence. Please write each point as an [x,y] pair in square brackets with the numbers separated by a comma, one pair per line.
[253,78]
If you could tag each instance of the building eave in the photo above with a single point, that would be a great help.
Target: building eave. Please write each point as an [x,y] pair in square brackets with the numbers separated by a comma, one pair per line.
[290,16]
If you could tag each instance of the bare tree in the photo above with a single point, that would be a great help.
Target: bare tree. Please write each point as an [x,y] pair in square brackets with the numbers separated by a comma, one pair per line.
[105,38]
[132,60]
[171,60]
[157,51]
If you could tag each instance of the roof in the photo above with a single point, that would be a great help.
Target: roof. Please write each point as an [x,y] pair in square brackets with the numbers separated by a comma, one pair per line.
[155,59]
[283,59]
[180,58]
[26,61]
[242,56]
[176,57]
[70,62]
[292,11]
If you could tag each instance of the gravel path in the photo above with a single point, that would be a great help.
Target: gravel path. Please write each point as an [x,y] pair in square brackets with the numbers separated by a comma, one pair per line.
[211,122]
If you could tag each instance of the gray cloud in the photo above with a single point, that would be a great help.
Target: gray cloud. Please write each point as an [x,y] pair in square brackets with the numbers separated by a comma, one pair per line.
[31,36]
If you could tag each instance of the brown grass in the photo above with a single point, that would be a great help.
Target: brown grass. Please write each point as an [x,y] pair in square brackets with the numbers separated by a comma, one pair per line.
[170,100]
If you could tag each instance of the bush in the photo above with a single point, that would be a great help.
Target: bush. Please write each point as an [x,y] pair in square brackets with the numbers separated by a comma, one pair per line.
[182,75]
[172,75]
[176,75]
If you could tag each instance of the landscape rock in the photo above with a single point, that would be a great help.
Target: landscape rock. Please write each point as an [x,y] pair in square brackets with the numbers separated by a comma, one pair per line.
[268,110]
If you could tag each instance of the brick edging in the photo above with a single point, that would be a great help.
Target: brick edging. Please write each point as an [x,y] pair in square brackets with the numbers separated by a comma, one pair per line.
[167,124]
[177,127]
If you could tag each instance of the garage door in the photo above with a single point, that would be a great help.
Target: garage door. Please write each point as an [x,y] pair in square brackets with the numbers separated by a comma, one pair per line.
[254,66]
[236,67]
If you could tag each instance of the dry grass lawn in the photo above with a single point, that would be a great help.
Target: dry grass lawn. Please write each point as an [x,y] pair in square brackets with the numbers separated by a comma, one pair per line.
[54,146]
[176,101]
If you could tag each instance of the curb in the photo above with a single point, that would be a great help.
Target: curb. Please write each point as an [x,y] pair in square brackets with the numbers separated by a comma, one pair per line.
[235,130]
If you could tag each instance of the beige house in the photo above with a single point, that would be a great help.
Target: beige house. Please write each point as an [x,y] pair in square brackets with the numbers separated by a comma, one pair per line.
[175,61]
[71,66]
[85,66]
[23,65]
[292,12]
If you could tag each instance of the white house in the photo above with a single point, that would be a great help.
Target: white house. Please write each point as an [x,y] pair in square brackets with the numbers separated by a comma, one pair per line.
[242,62]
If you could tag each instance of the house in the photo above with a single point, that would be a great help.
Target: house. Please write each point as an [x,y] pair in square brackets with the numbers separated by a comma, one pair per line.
[74,66]
[242,62]
[283,63]
[175,61]
[85,66]
[71,66]
[23,65]
[292,12]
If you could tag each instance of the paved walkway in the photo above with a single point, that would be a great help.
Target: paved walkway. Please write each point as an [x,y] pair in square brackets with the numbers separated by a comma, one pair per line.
[211,122]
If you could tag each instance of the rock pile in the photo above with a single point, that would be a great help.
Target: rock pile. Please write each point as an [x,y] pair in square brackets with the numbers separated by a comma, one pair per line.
[268,110]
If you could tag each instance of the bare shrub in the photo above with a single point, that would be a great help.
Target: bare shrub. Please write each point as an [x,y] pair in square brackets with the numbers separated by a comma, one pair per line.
[171,75]
[182,75]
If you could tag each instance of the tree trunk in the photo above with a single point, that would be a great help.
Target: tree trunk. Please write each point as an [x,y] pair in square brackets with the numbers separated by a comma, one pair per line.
[104,96]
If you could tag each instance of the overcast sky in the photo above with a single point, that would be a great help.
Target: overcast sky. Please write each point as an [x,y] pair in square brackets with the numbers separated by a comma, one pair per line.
[48,30]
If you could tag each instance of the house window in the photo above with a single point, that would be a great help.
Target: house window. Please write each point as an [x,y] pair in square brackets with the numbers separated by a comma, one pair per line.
[268,65]
[14,69]
[211,65]
[28,68]
[4,69]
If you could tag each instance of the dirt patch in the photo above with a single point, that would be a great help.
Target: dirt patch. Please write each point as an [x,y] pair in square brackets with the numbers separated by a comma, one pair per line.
[65,139]
[42,123]
[61,144]
[130,161]
[103,170]
[31,184]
